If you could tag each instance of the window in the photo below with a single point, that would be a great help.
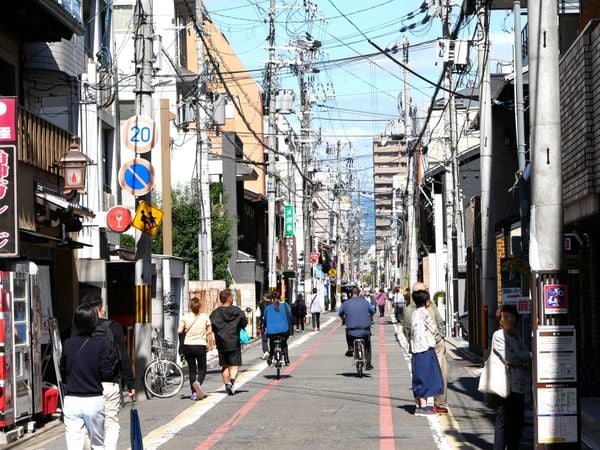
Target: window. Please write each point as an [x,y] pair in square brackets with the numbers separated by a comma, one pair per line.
[123,18]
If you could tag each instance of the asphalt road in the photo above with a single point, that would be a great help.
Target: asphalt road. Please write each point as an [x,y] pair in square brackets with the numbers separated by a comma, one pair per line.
[318,403]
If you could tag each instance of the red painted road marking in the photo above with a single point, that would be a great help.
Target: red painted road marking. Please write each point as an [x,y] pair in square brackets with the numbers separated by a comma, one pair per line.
[386,424]
[247,407]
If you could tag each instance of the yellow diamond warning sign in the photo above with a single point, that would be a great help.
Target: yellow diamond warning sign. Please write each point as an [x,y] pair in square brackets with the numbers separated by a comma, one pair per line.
[147,218]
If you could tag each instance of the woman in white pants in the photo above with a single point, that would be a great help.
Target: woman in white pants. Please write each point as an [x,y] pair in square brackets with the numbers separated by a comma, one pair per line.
[84,364]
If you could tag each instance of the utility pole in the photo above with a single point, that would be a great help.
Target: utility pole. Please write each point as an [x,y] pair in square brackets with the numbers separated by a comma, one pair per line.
[413,261]
[205,257]
[143,249]
[557,410]
[449,182]
[306,182]
[271,187]
[489,280]
[338,234]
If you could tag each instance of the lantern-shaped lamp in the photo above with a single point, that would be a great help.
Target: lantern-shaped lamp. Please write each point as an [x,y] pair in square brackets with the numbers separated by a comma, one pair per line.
[73,163]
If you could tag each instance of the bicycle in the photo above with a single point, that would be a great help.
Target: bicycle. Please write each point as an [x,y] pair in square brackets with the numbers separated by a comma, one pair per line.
[277,355]
[359,356]
[163,378]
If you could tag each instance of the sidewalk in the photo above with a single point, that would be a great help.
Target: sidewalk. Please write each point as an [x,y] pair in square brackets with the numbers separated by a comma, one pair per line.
[590,407]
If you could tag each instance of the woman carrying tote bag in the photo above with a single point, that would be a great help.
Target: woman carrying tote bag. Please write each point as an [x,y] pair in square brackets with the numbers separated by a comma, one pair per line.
[507,371]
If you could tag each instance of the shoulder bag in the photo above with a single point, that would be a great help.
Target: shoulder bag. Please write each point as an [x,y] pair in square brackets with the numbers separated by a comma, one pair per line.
[182,337]
[494,377]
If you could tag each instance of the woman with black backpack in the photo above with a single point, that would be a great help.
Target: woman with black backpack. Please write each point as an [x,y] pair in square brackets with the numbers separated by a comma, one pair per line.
[300,312]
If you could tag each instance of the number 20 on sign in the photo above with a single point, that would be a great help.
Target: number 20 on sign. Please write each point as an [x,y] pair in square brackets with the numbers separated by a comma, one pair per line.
[139,134]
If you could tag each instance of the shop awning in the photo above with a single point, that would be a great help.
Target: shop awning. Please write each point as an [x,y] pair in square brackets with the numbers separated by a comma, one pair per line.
[54,202]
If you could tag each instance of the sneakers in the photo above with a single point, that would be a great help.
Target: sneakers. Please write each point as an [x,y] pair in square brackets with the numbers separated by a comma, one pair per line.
[349,353]
[194,397]
[439,409]
[368,367]
[230,389]
[425,411]
[269,362]
[199,393]
[265,356]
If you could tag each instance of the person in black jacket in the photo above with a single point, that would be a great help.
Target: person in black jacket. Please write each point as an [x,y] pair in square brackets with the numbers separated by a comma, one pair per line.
[227,321]
[84,363]
[112,388]
[300,312]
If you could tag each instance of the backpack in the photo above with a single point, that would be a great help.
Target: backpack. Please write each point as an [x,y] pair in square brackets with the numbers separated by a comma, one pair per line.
[114,352]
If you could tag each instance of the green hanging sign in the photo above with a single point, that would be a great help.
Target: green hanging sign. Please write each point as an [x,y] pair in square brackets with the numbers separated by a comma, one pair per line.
[288,220]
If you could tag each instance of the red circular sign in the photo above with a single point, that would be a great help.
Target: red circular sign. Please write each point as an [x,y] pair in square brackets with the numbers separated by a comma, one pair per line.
[314,256]
[118,219]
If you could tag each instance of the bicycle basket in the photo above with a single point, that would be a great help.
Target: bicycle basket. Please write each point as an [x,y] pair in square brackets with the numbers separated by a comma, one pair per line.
[168,350]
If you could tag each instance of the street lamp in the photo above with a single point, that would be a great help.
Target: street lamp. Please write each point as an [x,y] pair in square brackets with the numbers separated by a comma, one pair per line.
[73,163]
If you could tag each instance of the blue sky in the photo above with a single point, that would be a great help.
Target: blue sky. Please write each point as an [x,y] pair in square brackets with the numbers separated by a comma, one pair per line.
[356,97]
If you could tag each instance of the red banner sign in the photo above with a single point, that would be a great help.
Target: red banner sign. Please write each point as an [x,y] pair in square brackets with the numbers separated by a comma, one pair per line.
[8,119]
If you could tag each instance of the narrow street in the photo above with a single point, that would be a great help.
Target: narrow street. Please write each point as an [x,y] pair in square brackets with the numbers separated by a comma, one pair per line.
[318,403]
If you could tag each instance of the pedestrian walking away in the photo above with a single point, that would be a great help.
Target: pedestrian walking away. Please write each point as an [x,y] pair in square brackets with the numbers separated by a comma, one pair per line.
[399,302]
[381,299]
[197,327]
[266,301]
[315,310]
[300,312]
[112,387]
[227,320]
[84,363]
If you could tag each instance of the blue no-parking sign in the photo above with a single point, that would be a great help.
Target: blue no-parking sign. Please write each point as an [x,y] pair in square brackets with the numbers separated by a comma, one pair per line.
[136,176]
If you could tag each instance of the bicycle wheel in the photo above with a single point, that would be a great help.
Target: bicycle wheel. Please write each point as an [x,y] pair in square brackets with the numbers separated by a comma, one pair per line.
[163,378]
[359,368]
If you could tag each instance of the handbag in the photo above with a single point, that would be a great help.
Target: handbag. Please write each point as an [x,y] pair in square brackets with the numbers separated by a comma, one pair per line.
[244,336]
[430,338]
[494,378]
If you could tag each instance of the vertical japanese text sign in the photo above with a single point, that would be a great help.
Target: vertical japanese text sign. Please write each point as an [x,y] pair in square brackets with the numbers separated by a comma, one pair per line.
[288,220]
[9,238]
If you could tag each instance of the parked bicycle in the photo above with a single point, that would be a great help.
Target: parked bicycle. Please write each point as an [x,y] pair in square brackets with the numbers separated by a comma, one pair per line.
[163,377]
[359,356]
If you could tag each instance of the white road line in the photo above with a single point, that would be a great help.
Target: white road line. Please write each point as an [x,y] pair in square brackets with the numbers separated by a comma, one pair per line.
[439,435]
[191,415]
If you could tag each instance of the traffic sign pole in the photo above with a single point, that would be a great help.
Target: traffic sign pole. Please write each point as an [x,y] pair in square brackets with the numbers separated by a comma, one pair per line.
[143,250]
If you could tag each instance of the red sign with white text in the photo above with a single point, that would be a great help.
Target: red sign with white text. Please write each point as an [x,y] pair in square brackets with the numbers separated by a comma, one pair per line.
[9,238]
[8,119]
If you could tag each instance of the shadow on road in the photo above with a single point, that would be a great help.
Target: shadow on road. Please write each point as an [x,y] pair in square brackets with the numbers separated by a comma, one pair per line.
[352,374]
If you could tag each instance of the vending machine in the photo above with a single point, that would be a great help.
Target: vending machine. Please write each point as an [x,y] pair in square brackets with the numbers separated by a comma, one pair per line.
[7,416]
[21,373]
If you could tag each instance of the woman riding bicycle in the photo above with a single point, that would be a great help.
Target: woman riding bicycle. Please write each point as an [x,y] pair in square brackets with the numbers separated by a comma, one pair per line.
[277,322]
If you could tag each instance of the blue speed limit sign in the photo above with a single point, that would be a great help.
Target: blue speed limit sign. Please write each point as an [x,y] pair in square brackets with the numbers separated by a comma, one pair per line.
[139,134]
[137,176]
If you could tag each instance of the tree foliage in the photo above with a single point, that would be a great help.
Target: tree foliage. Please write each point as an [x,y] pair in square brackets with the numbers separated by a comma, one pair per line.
[186,223]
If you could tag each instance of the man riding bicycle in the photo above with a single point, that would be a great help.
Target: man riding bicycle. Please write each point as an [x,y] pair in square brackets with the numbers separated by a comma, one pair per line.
[356,314]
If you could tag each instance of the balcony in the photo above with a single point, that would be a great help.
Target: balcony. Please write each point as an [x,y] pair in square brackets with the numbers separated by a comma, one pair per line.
[39,143]
[41,20]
